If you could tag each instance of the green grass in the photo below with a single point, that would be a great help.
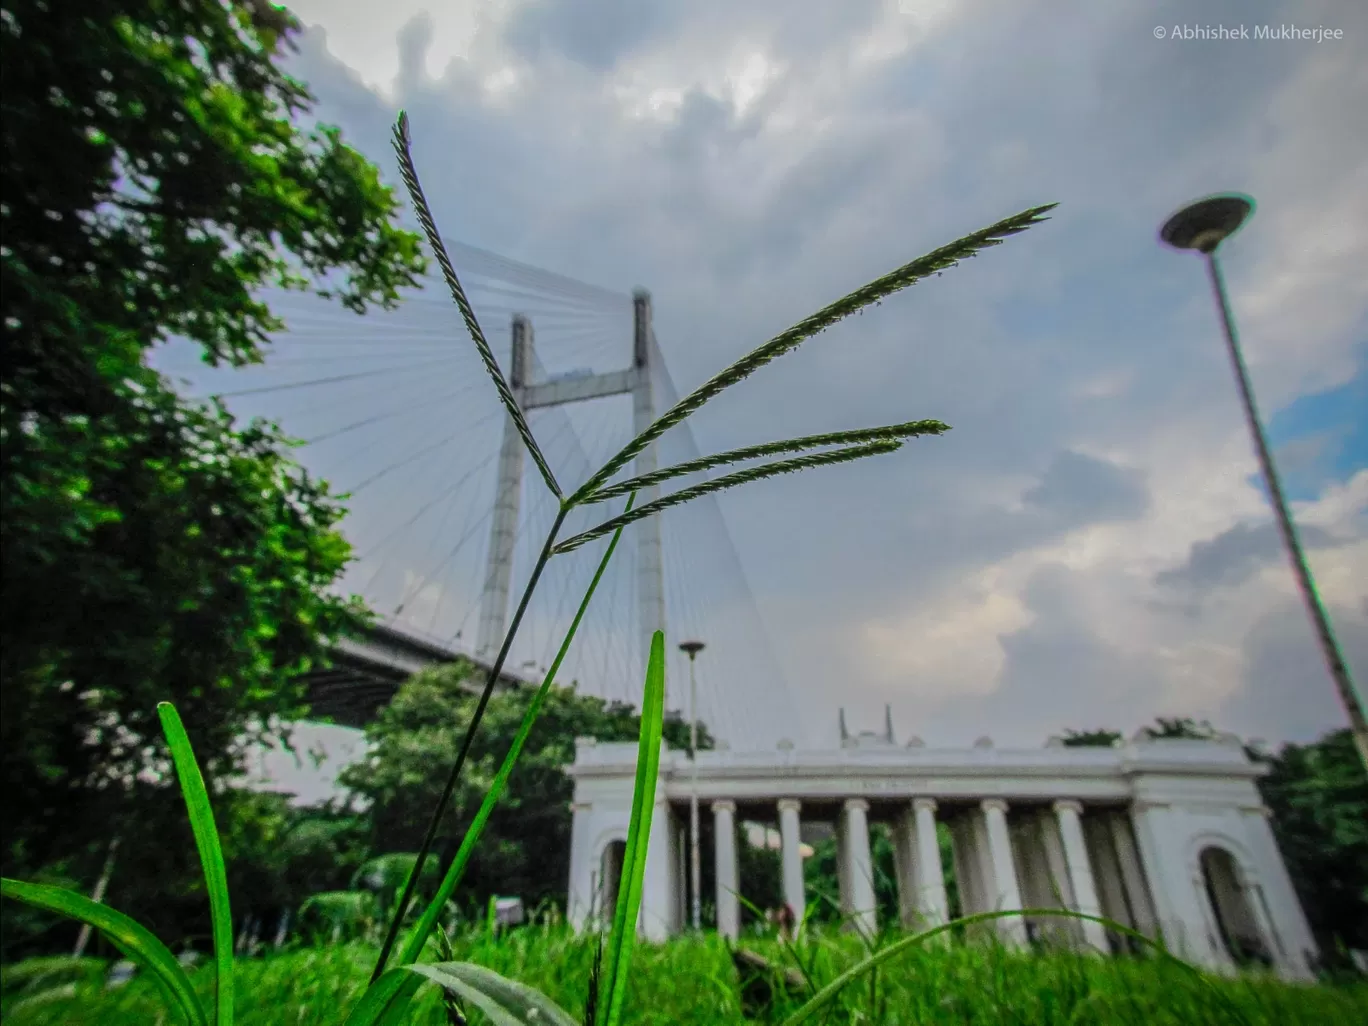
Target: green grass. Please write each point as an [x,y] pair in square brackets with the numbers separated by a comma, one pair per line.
[690,982]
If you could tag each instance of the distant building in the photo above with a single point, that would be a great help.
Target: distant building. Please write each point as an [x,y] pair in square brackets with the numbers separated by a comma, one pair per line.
[1160,835]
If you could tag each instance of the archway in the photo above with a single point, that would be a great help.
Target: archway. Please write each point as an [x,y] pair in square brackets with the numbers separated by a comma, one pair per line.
[610,873]
[1235,920]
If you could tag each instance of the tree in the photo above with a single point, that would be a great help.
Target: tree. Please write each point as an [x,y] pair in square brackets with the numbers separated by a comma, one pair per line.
[1163,728]
[157,174]
[525,850]
[1101,738]
[1318,795]
[277,856]
[1183,727]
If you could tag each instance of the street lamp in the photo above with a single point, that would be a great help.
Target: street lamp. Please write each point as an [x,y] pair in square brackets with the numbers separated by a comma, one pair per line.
[691,649]
[1203,226]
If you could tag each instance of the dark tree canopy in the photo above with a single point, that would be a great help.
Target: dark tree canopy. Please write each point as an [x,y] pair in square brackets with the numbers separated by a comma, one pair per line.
[159,171]
[1318,795]
[525,849]
[1101,738]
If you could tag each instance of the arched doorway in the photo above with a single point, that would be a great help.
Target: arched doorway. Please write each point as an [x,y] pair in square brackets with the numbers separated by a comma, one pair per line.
[610,873]
[1235,920]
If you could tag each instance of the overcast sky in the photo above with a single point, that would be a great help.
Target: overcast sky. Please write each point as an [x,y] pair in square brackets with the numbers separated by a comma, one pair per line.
[1089,545]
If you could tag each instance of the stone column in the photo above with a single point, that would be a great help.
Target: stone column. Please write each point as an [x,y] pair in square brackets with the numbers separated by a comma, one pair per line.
[583,873]
[863,909]
[1080,872]
[1004,893]
[728,879]
[932,903]
[792,858]
[1134,886]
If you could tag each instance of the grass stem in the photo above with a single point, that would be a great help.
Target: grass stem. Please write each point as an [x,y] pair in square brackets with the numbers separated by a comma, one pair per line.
[435,822]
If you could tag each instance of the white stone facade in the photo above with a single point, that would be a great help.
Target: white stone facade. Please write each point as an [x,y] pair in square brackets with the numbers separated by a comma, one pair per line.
[1165,836]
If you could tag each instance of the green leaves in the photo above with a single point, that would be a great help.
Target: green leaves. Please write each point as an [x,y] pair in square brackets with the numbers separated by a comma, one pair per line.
[211,857]
[504,1002]
[623,937]
[386,1000]
[141,125]
[134,940]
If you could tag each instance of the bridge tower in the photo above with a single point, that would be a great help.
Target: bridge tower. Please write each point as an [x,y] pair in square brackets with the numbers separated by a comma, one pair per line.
[531,395]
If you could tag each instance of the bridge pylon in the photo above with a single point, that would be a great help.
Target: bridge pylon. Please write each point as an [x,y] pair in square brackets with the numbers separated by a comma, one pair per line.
[531,395]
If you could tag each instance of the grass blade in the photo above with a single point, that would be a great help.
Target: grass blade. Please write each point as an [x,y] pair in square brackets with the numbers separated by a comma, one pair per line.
[892,432]
[133,939]
[413,948]
[211,858]
[386,1000]
[402,144]
[740,477]
[828,993]
[909,274]
[595,975]
[623,937]
[504,1002]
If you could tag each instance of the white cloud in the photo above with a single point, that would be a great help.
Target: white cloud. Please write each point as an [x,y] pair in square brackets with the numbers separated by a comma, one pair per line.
[949,649]
[364,35]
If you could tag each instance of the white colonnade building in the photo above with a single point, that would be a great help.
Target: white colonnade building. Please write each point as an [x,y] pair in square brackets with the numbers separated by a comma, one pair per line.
[1165,836]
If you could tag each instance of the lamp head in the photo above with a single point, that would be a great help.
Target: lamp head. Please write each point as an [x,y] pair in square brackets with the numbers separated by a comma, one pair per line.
[691,648]
[1204,225]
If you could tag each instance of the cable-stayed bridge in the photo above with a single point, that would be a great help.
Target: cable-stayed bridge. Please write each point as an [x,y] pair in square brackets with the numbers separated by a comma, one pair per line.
[446,517]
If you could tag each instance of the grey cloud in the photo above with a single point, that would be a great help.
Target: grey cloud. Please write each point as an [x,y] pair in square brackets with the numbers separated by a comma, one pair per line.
[1008,107]
[1081,489]
[934,549]
[598,34]
[595,33]
[1235,555]
[1057,674]
[1288,692]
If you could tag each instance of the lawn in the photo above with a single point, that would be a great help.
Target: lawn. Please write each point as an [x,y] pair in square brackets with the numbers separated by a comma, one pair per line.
[691,981]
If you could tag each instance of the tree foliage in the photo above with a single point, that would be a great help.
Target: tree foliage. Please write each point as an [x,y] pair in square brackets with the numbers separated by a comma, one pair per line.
[1101,738]
[159,170]
[1318,795]
[525,850]
[1168,728]
[277,855]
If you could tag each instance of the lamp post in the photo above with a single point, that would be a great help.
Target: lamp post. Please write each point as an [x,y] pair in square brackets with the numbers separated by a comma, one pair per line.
[1203,226]
[691,649]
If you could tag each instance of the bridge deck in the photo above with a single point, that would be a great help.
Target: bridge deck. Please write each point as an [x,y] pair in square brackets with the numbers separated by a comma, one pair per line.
[366,673]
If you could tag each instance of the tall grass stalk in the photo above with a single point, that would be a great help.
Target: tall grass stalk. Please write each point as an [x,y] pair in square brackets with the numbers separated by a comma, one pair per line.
[597,489]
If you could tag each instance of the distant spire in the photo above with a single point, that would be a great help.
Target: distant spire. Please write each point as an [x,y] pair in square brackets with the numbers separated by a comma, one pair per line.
[844,733]
[888,724]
